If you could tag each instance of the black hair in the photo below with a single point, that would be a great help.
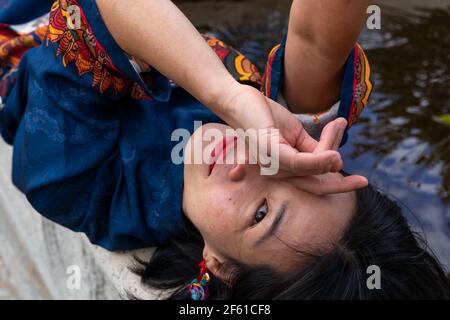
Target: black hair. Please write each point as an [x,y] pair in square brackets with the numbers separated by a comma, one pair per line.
[378,235]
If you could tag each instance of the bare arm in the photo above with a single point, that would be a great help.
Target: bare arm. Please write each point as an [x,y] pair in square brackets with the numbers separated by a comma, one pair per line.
[321,36]
[157,32]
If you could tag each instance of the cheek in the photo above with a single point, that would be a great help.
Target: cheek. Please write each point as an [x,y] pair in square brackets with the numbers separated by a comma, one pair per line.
[218,212]
[218,206]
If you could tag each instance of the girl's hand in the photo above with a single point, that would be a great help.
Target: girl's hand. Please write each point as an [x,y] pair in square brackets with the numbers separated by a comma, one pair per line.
[331,138]
[299,154]
[308,163]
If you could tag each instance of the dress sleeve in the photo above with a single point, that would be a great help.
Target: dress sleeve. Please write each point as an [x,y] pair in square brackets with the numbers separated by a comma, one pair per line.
[75,52]
[357,86]
[64,112]
[79,36]
[88,152]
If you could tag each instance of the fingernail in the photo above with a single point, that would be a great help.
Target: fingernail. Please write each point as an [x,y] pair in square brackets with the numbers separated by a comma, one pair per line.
[342,123]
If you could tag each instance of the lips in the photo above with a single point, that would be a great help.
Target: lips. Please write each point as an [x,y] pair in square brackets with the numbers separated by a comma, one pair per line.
[220,149]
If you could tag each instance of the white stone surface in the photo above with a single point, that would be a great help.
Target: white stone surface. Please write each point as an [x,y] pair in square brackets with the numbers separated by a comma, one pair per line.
[35,254]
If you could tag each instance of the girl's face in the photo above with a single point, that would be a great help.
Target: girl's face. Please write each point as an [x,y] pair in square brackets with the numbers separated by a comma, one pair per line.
[255,219]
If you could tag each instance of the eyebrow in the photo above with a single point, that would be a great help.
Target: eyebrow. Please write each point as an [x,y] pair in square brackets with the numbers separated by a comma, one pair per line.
[277,221]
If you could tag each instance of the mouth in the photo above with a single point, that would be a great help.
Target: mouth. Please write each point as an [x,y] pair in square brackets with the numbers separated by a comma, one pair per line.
[221,149]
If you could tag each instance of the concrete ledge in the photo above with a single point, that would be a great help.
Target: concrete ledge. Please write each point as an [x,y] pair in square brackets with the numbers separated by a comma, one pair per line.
[35,254]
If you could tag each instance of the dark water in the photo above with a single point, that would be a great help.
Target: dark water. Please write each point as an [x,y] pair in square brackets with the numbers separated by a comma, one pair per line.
[399,143]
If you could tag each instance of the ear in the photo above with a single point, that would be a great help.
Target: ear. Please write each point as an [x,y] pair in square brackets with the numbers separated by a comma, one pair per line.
[215,264]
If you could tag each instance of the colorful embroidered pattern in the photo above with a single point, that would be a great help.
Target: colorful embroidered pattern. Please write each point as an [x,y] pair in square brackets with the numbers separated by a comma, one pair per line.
[266,84]
[144,70]
[242,69]
[362,85]
[75,41]
[361,90]
[13,45]
[138,93]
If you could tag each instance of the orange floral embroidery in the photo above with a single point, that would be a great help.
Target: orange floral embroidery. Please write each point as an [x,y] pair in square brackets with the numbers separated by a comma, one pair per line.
[363,85]
[237,64]
[266,81]
[137,92]
[13,45]
[76,43]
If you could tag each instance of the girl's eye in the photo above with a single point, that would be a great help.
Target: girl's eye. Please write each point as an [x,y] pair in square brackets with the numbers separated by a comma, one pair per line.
[261,213]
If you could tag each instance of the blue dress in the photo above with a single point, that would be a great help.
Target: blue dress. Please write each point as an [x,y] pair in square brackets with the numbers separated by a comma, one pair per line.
[91,126]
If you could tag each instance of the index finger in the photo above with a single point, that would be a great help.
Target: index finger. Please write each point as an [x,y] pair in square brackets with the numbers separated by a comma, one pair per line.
[321,185]
[303,164]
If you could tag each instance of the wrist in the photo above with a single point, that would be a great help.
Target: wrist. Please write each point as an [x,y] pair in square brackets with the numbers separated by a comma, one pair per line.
[220,99]
[245,107]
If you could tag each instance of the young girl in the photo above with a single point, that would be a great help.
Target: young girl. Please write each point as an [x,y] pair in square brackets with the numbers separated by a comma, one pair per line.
[90,110]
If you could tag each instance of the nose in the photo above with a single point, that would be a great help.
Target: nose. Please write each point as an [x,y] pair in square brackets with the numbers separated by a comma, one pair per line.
[237,173]
[243,166]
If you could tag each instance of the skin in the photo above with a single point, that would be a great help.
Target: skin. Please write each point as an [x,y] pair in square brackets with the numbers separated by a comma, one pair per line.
[321,33]
[320,202]
[158,41]
[223,206]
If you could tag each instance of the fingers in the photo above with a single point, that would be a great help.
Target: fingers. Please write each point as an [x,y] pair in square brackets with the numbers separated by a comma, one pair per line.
[305,142]
[342,124]
[325,184]
[332,135]
[291,129]
[303,155]
[302,164]
[330,140]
